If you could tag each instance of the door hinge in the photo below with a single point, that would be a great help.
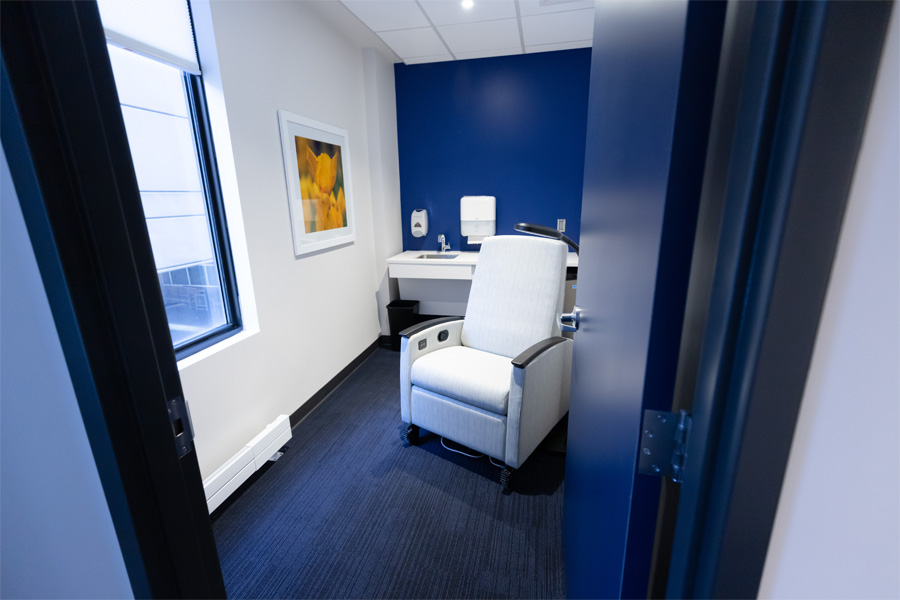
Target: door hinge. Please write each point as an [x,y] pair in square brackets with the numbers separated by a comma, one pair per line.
[180,418]
[663,442]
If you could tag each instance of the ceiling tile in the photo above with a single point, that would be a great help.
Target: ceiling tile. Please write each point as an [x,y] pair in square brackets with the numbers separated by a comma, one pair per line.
[485,35]
[387,15]
[555,28]
[451,12]
[428,59]
[541,7]
[488,53]
[412,43]
[561,46]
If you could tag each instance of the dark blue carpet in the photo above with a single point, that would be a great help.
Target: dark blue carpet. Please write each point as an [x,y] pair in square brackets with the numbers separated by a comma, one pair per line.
[348,512]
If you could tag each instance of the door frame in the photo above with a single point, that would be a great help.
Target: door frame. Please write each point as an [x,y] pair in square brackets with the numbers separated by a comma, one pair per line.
[65,141]
[779,232]
[751,317]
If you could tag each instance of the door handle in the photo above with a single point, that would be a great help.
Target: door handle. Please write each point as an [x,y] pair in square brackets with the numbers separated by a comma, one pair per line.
[569,321]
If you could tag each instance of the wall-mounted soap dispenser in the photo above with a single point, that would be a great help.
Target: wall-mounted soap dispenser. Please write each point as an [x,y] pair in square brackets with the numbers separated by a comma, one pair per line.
[419,222]
[478,217]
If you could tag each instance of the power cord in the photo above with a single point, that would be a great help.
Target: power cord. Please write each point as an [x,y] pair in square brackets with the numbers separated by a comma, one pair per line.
[479,455]
[501,465]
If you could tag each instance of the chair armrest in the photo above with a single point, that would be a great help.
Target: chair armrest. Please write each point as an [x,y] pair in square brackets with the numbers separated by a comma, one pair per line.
[531,353]
[419,327]
[419,340]
[538,396]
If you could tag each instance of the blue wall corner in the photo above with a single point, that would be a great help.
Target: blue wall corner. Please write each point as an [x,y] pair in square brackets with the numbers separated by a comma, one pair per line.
[513,127]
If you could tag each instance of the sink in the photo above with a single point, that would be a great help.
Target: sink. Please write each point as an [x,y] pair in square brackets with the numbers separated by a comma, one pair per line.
[438,256]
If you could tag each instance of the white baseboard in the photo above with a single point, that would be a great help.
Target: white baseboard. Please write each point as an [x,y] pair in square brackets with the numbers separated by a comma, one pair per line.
[242,465]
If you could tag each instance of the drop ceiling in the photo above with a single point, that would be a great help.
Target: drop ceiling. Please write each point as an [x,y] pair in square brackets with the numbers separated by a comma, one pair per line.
[423,31]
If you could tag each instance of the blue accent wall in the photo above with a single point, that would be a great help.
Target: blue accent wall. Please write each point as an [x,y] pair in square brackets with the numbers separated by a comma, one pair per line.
[513,127]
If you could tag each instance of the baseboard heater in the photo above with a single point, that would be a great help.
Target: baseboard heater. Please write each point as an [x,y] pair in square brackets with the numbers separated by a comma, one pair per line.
[242,465]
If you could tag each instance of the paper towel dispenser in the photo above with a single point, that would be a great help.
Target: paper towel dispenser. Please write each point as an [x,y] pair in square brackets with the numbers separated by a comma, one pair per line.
[478,217]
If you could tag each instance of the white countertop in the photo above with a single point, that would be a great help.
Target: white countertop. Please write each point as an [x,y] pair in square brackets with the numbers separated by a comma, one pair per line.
[409,264]
[412,257]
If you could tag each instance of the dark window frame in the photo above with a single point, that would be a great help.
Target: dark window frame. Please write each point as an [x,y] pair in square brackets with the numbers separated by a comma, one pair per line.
[218,223]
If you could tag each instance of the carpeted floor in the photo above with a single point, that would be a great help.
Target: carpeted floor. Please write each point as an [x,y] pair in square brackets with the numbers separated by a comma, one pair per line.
[348,512]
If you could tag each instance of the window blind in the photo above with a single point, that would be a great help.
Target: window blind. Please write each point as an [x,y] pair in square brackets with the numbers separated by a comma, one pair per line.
[159,29]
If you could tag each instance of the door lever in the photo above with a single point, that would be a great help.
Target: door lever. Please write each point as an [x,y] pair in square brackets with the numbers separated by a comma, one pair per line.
[569,321]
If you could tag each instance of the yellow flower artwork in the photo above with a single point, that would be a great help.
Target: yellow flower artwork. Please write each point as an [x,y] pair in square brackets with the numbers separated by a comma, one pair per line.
[321,185]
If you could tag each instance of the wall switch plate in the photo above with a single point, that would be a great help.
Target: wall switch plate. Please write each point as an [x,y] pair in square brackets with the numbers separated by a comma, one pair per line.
[561,224]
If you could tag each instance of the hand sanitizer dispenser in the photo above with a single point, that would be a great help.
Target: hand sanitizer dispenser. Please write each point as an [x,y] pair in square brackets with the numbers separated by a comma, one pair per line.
[419,222]
[478,217]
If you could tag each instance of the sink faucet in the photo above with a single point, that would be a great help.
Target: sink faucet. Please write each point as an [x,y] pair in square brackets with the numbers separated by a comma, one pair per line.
[444,245]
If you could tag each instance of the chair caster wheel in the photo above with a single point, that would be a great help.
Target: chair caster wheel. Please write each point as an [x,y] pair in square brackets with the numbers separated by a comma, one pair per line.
[506,479]
[410,435]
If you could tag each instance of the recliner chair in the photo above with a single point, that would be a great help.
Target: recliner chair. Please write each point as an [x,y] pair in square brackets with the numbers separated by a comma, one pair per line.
[497,380]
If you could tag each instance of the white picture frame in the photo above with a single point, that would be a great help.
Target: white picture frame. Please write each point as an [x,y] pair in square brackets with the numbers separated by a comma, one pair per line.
[321,214]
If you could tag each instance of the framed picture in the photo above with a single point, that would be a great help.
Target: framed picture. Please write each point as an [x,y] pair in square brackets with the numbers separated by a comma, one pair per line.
[317,170]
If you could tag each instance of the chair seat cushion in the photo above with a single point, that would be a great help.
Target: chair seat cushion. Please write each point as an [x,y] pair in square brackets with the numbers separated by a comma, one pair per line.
[477,378]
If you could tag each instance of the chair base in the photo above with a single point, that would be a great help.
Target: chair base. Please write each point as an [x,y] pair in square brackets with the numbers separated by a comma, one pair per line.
[410,436]
[507,478]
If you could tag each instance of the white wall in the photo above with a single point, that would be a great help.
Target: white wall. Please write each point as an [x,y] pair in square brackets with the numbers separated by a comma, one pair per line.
[837,529]
[385,169]
[318,312]
[57,536]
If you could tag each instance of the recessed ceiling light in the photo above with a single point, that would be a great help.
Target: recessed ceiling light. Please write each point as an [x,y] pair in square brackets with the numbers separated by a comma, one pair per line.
[467,4]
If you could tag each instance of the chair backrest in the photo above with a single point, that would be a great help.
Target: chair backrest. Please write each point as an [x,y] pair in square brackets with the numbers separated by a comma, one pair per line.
[517,291]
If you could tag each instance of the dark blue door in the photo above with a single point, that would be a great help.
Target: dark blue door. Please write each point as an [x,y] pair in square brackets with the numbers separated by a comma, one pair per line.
[653,76]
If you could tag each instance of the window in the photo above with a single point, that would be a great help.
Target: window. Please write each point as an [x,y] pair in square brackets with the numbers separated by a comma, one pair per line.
[171,147]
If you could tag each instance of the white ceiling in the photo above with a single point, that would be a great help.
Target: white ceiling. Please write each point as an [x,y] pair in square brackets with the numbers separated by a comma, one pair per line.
[422,31]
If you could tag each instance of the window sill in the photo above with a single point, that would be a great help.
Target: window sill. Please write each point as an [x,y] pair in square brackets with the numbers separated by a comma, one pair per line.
[215,348]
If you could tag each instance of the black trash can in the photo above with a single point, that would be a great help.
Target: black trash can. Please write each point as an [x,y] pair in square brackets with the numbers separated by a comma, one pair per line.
[401,314]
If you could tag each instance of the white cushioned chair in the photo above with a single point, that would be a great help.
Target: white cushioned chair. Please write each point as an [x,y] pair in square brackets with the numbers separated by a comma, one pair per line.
[497,380]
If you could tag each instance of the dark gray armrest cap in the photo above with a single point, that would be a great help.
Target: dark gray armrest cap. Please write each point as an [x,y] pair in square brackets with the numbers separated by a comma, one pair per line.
[529,355]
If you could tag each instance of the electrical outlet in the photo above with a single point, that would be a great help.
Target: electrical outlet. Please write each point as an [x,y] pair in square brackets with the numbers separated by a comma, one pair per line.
[561,224]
